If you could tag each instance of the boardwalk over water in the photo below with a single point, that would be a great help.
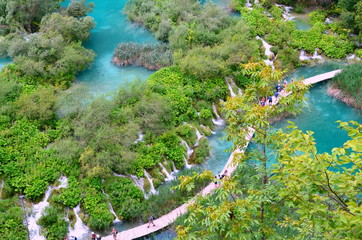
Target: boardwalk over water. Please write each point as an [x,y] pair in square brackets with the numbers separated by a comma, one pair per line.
[169,218]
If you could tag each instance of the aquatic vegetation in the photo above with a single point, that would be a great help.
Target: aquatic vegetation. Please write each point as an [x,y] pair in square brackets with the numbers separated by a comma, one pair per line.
[152,57]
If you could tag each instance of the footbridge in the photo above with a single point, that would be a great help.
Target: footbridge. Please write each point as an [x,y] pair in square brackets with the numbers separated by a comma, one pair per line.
[169,218]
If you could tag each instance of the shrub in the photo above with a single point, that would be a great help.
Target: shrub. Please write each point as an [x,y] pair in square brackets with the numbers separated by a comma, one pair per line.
[53,222]
[125,197]
[350,81]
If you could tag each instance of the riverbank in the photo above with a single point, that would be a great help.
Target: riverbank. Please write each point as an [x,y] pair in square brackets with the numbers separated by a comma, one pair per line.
[337,93]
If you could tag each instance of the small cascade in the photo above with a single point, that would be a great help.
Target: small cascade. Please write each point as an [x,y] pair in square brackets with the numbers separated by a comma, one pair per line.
[189,153]
[267,47]
[189,150]
[248,4]
[328,21]
[352,57]
[303,56]
[218,120]
[169,177]
[187,165]
[198,134]
[233,85]
[269,63]
[1,188]
[37,209]
[286,13]
[80,228]
[152,190]
[139,182]
[119,175]
[232,94]
[140,138]
[174,168]
[111,208]
[316,55]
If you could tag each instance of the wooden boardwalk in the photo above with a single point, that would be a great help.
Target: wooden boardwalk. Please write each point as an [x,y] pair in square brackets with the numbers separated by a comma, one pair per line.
[321,77]
[170,217]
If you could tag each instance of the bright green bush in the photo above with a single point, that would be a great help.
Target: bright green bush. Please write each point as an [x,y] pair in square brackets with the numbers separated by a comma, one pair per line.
[72,195]
[11,218]
[53,223]
[317,16]
[127,199]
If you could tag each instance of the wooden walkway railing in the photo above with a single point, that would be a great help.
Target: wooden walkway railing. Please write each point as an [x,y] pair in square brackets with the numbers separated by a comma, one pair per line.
[169,218]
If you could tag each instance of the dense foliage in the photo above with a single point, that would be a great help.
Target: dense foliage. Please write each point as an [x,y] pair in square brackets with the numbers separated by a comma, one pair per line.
[152,57]
[271,194]
[11,219]
[205,41]
[46,132]
[54,53]
[350,82]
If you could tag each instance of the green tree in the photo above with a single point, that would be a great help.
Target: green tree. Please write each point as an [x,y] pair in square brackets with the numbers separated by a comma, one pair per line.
[248,213]
[38,105]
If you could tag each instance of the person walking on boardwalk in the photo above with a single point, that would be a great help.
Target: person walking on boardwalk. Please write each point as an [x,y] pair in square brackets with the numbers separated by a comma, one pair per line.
[150,220]
[93,236]
[99,237]
[114,233]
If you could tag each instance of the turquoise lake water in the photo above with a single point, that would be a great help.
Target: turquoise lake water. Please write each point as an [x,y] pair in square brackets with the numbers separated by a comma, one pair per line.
[4,61]
[301,24]
[112,27]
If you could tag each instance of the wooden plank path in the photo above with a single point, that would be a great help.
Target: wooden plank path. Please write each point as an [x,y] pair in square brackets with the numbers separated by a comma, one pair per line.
[321,77]
[230,166]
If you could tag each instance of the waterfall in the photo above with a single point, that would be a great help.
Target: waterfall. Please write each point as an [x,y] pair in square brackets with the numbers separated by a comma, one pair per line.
[1,188]
[328,21]
[316,55]
[189,150]
[219,120]
[352,57]
[267,47]
[140,138]
[111,208]
[248,4]
[37,209]
[303,56]
[198,134]
[269,63]
[119,175]
[174,167]
[232,94]
[139,182]
[79,227]
[286,13]
[153,190]
[169,177]
[113,212]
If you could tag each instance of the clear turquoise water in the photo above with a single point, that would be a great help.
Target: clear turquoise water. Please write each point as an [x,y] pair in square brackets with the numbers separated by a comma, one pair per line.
[112,28]
[322,111]
[301,24]
[4,61]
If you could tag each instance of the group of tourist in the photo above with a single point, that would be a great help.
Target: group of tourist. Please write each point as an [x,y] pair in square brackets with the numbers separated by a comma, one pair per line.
[94,236]
[278,90]
[220,177]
